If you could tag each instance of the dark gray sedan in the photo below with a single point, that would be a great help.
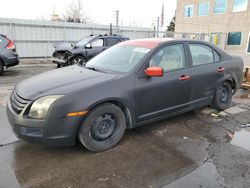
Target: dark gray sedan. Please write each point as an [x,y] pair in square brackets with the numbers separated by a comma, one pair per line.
[130,84]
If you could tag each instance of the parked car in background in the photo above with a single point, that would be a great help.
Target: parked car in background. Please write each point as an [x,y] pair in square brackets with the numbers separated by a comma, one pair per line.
[8,55]
[61,49]
[130,84]
[86,49]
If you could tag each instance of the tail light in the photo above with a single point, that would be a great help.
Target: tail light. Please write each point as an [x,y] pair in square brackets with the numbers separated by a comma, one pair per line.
[10,45]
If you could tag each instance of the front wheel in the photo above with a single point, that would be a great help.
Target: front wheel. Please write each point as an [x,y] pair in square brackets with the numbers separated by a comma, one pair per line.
[223,96]
[78,60]
[103,127]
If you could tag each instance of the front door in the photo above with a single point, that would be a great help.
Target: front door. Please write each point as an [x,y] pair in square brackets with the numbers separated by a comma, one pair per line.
[97,46]
[156,96]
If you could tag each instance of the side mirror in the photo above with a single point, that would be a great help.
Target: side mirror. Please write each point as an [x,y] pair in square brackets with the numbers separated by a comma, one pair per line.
[88,46]
[154,71]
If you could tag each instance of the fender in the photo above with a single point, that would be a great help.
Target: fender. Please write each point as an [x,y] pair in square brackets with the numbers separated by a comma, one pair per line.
[129,114]
[232,79]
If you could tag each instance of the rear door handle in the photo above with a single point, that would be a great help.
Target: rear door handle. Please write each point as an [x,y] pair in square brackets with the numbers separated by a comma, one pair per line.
[184,77]
[221,69]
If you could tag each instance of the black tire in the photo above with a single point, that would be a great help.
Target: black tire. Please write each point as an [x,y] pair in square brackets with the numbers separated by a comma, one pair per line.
[78,60]
[103,127]
[1,67]
[223,96]
[58,66]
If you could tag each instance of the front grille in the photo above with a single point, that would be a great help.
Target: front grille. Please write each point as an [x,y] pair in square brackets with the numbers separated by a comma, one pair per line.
[18,103]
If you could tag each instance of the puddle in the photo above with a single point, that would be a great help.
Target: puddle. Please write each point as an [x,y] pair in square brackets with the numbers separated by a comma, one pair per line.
[205,176]
[242,139]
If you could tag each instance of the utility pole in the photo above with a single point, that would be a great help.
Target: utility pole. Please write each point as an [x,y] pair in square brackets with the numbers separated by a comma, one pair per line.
[117,20]
[158,26]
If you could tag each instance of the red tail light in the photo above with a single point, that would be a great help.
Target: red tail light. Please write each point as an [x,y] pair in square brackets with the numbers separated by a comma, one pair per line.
[10,45]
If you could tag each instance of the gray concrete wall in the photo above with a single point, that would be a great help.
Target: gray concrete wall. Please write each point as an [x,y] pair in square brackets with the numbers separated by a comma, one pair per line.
[36,38]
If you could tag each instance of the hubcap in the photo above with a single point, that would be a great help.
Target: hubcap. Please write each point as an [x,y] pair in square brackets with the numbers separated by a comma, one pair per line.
[77,61]
[224,94]
[103,127]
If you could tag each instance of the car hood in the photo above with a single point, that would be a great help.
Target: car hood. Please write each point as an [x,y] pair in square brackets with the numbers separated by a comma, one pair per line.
[60,82]
[62,46]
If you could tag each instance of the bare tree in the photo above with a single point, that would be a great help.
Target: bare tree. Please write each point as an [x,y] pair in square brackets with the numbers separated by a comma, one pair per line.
[75,13]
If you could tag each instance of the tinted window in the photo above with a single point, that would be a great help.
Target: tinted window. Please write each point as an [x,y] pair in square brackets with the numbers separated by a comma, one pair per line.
[234,38]
[203,9]
[201,54]
[97,43]
[189,11]
[220,6]
[239,5]
[169,58]
[111,42]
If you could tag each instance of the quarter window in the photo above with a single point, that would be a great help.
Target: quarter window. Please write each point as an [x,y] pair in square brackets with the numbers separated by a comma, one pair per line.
[169,58]
[220,6]
[239,5]
[203,9]
[234,38]
[189,11]
[201,54]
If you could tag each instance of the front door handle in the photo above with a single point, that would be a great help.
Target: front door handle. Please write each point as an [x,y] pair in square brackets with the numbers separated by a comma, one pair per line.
[221,69]
[184,77]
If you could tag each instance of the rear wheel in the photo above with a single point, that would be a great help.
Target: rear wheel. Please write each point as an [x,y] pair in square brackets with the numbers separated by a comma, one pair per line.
[1,67]
[223,96]
[103,127]
[78,60]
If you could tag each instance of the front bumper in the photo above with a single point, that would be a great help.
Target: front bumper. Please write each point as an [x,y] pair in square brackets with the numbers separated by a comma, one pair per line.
[51,132]
[58,60]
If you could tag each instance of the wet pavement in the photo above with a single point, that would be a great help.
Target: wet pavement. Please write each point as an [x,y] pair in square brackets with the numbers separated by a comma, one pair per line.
[196,149]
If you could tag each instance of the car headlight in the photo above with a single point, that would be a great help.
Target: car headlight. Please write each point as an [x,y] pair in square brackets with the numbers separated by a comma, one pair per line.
[41,106]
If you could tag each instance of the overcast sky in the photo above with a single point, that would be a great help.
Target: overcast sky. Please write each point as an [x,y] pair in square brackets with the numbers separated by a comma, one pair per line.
[132,12]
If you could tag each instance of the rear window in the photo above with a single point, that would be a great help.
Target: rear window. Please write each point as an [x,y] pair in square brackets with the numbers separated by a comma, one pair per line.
[112,41]
[201,54]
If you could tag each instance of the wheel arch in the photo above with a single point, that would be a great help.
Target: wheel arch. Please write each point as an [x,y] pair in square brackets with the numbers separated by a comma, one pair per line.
[120,104]
[231,80]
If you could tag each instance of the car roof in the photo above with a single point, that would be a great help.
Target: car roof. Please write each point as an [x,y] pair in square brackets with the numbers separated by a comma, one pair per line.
[153,42]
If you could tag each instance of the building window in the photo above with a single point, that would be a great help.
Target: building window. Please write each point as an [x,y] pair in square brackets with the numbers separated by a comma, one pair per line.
[189,11]
[220,6]
[215,38]
[239,5]
[203,9]
[234,38]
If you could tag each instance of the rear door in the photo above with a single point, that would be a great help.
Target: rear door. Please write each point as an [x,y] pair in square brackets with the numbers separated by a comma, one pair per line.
[157,96]
[206,70]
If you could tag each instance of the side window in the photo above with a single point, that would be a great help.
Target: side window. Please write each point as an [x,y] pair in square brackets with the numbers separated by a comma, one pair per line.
[97,43]
[169,58]
[111,42]
[201,54]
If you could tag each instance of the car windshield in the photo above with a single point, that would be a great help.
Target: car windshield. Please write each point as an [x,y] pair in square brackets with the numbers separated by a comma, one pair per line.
[84,41]
[119,58]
